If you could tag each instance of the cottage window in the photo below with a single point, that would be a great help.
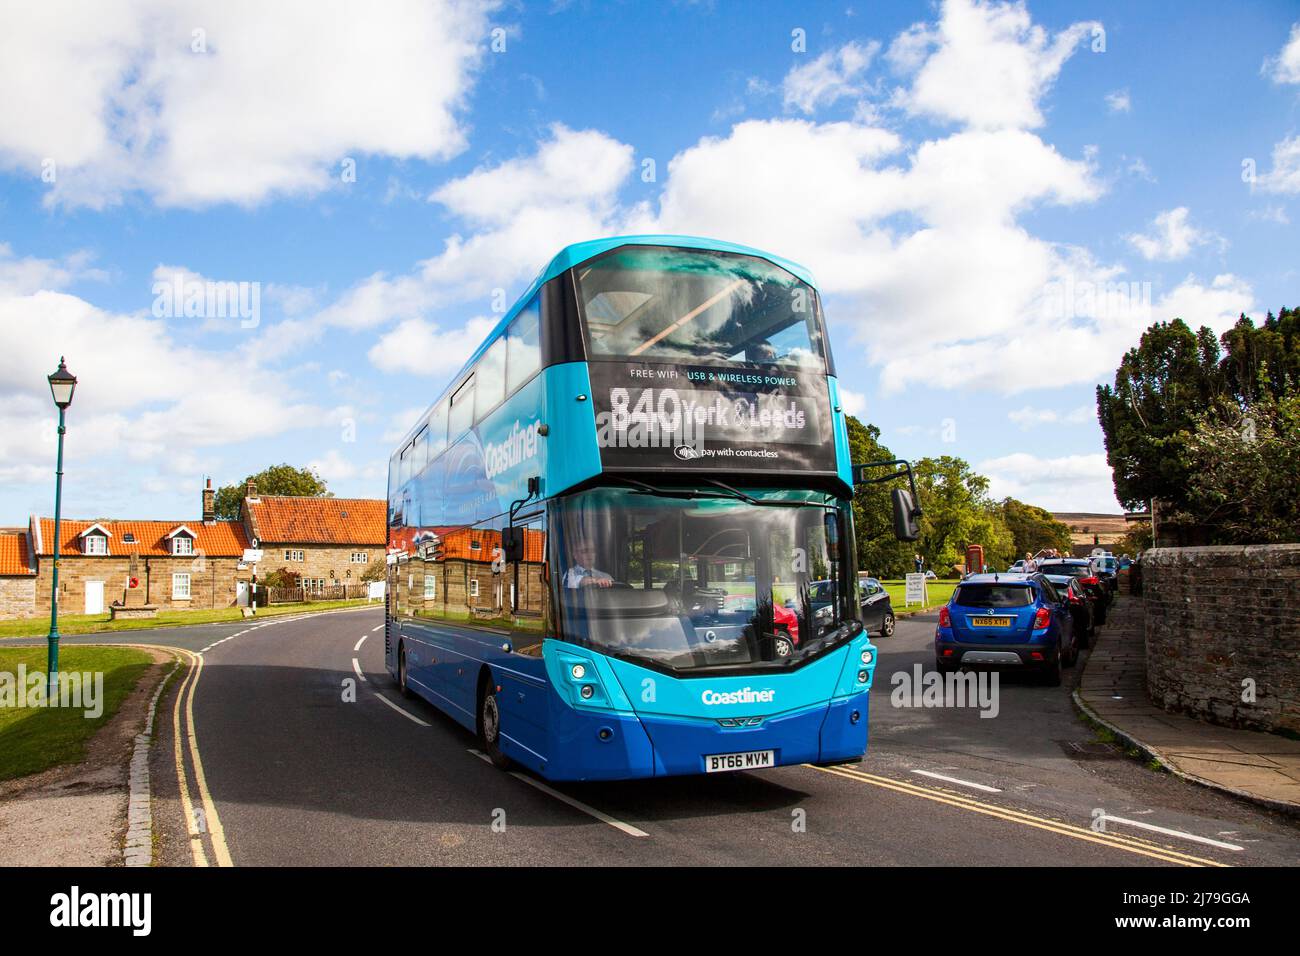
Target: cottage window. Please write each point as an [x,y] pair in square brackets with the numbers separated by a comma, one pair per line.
[473,587]
[180,587]
[96,544]
[182,545]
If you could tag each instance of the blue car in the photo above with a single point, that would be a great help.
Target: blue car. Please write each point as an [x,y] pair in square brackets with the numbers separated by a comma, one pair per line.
[1012,621]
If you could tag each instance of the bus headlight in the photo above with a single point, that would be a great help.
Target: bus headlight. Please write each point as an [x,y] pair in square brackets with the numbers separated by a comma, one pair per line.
[862,677]
[867,657]
[578,672]
[587,691]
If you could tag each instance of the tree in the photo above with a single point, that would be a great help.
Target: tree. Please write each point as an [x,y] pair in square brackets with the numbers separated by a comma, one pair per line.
[1147,416]
[377,571]
[1135,540]
[1034,529]
[957,512]
[276,480]
[1244,475]
[1207,427]
[879,552]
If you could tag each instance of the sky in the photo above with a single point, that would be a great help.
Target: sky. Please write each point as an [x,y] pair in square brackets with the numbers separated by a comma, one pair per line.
[996,199]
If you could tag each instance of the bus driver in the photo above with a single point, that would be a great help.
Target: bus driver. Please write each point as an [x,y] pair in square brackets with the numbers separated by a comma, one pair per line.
[581,574]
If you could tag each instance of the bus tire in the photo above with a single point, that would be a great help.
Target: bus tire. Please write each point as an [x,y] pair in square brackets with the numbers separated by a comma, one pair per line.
[402,687]
[489,723]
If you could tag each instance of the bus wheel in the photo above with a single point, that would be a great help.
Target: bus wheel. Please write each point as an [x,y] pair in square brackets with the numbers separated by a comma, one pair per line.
[401,671]
[489,725]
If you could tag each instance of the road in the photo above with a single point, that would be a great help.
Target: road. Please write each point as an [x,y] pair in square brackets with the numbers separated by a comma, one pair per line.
[292,773]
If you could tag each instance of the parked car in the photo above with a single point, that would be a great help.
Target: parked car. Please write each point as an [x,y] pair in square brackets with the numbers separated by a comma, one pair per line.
[877,611]
[931,576]
[1013,622]
[1083,605]
[1017,568]
[1088,574]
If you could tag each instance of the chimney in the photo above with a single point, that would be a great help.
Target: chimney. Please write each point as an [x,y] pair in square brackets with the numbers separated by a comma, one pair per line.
[209,503]
[250,490]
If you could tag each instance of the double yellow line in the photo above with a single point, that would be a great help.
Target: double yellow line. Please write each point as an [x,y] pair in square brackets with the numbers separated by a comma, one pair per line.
[185,699]
[1114,840]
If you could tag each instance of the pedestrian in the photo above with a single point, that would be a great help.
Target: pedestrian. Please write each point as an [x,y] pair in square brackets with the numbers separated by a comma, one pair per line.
[1030,564]
[919,562]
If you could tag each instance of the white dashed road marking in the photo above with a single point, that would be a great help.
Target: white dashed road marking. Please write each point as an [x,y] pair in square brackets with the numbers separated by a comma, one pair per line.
[401,710]
[356,667]
[359,643]
[964,783]
[565,798]
[1173,833]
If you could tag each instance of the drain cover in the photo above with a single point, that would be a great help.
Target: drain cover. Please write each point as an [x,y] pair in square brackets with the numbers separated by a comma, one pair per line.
[1090,750]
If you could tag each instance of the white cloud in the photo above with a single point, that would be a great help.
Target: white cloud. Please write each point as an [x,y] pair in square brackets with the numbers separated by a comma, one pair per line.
[1031,416]
[1217,305]
[1172,236]
[1118,101]
[422,348]
[854,403]
[1067,483]
[830,77]
[196,103]
[142,396]
[1284,177]
[1285,67]
[985,64]
[335,468]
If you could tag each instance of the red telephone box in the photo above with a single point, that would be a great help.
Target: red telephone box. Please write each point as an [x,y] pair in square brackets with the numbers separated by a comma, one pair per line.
[974,558]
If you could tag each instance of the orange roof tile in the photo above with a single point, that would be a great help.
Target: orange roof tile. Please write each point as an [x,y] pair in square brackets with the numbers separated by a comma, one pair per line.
[283,519]
[14,558]
[221,539]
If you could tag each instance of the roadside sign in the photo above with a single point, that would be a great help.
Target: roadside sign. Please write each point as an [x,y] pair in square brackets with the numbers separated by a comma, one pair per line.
[252,555]
[916,590]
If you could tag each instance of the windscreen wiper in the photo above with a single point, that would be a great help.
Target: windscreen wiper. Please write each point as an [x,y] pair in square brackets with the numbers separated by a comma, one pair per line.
[764,502]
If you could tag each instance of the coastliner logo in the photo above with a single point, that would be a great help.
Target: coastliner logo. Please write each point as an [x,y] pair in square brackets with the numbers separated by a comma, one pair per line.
[746,695]
[519,446]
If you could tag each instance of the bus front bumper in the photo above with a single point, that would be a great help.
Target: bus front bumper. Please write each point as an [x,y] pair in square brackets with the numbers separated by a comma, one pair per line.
[593,746]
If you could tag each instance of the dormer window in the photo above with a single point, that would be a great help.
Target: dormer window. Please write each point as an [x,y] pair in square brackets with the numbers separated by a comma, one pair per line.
[182,541]
[94,540]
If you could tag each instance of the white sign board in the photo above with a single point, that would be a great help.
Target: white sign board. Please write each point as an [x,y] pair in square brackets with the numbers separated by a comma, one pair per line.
[375,592]
[916,591]
[252,555]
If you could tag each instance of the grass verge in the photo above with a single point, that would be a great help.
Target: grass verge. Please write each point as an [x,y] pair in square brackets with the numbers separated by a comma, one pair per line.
[33,739]
[939,593]
[99,623]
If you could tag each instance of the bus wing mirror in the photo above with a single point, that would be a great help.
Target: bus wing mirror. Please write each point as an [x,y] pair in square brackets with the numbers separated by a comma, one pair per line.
[907,525]
[512,544]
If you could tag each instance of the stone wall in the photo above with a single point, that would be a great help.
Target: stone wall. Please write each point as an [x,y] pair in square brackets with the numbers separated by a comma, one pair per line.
[212,581]
[331,564]
[1218,619]
[18,596]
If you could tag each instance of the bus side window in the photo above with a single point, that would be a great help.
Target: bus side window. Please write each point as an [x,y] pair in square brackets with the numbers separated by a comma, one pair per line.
[491,379]
[528,593]
[524,346]
[461,416]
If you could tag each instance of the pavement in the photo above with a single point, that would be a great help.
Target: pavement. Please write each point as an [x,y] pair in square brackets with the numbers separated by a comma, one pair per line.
[1260,767]
[296,749]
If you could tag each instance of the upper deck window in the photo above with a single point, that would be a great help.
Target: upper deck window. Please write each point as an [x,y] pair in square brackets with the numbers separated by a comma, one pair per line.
[695,305]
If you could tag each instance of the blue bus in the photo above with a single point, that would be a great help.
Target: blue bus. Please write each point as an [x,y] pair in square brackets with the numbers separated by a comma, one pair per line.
[621,541]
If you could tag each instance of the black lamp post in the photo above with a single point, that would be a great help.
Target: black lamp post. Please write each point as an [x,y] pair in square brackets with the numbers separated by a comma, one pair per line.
[62,384]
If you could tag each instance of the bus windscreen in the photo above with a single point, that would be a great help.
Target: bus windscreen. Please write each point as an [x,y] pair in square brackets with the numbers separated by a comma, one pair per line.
[692,305]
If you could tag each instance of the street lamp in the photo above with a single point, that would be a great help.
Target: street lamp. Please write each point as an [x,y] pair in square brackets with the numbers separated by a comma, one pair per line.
[62,384]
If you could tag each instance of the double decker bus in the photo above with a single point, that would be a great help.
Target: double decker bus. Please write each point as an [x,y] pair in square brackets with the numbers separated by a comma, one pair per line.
[621,540]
